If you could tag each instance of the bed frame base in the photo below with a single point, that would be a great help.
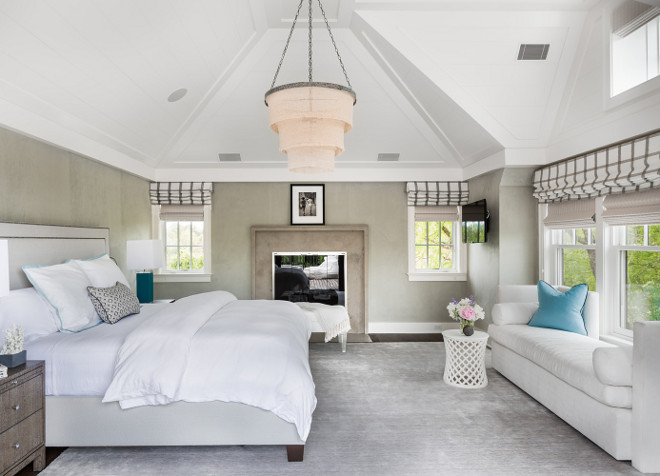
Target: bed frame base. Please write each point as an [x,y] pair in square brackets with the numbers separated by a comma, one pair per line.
[86,421]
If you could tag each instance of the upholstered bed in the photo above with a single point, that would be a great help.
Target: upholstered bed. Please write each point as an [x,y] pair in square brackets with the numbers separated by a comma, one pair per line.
[86,389]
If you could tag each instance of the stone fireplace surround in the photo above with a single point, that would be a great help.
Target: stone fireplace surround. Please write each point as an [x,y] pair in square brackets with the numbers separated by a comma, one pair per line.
[352,239]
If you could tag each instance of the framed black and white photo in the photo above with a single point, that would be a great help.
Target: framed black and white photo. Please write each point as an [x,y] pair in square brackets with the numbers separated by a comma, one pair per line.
[307,204]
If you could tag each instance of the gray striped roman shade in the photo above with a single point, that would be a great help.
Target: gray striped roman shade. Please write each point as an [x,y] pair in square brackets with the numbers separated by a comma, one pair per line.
[628,166]
[180,193]
[431,194]
[571,214]
[642,208]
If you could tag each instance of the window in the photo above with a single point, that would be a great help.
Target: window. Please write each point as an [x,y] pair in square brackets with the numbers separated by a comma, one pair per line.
[436,252]
[575,255]
[434,245]
[637,252]
[635,48]
[184,245]
[619,257]
[185,231]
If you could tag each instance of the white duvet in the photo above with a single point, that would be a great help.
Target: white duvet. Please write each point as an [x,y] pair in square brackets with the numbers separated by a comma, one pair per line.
[211,347]
[201,348]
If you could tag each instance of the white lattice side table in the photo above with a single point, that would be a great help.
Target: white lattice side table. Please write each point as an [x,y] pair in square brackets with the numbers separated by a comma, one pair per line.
[465,366]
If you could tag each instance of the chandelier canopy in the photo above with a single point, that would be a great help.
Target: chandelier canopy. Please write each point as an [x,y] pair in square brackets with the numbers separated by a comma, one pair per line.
[311,117]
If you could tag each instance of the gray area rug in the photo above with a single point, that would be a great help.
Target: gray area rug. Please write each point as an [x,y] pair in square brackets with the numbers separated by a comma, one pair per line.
[383,409]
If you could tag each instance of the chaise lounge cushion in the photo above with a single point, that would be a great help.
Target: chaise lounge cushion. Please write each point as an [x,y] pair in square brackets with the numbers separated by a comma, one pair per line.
[567,355]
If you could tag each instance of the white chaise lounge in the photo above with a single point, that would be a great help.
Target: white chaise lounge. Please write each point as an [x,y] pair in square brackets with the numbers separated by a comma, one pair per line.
[609,393]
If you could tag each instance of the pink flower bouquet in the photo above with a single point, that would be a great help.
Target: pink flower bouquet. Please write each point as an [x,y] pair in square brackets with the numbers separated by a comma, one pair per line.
[466,311]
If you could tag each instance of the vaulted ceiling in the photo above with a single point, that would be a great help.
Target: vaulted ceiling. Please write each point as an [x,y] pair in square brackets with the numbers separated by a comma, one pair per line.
[437,81]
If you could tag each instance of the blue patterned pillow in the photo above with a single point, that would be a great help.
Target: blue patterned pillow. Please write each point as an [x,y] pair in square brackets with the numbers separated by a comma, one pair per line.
[114,303]
[559,310]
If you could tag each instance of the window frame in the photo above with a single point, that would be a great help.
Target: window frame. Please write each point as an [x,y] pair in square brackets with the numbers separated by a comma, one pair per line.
[457,273]
[608,264]
[617,259]
[557,250]
[638,91]
[163,275]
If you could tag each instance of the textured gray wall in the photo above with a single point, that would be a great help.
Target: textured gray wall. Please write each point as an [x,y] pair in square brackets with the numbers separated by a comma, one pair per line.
[519,238]
[41,184]
[511,254]
[484,258]
[380,206]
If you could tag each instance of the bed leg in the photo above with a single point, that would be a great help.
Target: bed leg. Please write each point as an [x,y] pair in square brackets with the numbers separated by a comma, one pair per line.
[295,452]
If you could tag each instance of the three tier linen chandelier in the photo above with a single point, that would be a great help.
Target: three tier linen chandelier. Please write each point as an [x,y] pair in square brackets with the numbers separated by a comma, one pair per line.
[311,117]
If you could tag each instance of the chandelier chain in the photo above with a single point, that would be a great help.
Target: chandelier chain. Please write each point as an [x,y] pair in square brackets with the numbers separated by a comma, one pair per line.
[309,34]
[332,38]
[286,46]
[309,54]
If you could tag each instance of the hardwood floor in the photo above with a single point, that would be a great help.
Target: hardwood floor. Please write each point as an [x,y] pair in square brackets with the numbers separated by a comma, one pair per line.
[406,337]
[54,452]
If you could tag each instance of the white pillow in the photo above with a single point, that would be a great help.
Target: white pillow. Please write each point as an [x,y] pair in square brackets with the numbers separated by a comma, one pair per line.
[505,313]
[26,308]
[101,271]
[65,288]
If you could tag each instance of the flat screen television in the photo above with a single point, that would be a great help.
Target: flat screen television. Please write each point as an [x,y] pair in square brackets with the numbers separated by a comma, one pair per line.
[475,222]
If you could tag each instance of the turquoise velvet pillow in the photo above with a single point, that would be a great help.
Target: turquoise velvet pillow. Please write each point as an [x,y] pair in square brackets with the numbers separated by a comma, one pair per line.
[559,310]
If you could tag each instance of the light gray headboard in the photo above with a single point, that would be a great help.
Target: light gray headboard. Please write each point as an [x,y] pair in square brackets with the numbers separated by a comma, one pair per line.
[47,244]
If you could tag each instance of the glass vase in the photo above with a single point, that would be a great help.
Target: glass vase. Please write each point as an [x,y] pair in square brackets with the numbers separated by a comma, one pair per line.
[467,327]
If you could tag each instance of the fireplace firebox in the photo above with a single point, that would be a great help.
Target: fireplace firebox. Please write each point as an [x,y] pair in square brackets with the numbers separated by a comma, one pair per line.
[310,277]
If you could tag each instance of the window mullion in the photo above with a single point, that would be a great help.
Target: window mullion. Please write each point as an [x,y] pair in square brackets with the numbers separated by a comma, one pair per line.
[190,267]
[178,246]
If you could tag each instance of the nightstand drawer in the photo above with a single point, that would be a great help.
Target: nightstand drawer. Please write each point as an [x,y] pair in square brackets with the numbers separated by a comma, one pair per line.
[21,440]
[20,401]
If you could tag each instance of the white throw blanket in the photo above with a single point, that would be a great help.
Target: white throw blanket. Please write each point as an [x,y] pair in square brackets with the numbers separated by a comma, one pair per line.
[210,347]
[334,320]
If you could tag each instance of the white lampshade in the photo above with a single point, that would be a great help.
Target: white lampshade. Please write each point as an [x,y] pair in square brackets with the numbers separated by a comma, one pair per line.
[4,267]
[144,254]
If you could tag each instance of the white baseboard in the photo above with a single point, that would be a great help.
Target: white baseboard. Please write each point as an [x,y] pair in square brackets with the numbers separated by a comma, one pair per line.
[410,327]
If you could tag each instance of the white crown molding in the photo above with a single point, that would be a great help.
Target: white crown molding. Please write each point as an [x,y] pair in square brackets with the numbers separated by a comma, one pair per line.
[278,172]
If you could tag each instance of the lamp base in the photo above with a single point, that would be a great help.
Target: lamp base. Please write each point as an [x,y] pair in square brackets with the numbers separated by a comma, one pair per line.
[144,287]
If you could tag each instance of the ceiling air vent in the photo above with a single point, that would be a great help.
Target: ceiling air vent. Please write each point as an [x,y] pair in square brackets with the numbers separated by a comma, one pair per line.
[230,157]
[533,52]
[388,157]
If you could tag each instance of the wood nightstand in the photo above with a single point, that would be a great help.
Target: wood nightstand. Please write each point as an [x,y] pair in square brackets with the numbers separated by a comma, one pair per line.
[22,422]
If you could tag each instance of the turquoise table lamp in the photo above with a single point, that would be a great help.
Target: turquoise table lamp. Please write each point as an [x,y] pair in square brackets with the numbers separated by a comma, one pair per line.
[144,256]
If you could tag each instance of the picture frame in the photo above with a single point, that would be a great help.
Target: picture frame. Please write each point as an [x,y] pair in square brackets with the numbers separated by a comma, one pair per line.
[307,204]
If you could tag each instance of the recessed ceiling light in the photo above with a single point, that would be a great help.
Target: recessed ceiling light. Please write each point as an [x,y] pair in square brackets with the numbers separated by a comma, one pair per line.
[176,95]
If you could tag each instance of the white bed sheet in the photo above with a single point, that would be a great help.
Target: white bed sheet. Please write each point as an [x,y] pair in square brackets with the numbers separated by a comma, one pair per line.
[82,364]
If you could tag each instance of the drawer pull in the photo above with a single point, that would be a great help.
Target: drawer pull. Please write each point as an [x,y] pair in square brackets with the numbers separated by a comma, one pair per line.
[14,382]
[16,407]
[17,446]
